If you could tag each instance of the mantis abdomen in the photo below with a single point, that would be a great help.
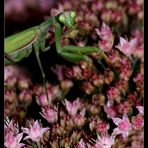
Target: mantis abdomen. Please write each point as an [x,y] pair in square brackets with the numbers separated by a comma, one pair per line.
[20,45]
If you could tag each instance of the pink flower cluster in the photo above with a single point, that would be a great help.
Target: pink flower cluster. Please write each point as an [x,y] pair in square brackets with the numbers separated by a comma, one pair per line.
[13,137]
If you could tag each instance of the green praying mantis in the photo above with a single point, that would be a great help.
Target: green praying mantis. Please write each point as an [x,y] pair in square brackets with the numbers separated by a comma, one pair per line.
[20,45]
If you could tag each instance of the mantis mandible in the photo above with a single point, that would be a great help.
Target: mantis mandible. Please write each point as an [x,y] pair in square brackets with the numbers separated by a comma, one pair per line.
[20,45]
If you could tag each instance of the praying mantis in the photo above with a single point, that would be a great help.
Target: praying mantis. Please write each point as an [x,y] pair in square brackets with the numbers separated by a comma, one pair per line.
[20,45]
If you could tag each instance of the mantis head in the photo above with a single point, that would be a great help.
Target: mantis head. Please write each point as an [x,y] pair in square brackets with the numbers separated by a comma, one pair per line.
[67,18]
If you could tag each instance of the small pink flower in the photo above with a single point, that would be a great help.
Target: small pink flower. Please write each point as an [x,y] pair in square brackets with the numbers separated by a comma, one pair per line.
[10,127]
[12,141]
[105,45]
[81,144]
[80,118]
[77,72]
[97,6]
[66,85]
[73,107]
[15,71]
[86,73]
[25,96]
[124,126]
[107,38]
[121,85]
[42,99]
[137,144]
[102,127]
[127,47]
[50,114]
[138,122]
[24,83]
[105,32]
[74,72]
[10,71]
[133,8]
[45,5]
[113,94]
[140,109]
[104,141]
[97,79]
[139,78]
[124,107]
[35,132]
[106,15]
[110,111]
[88,87]
[132,98]
[59,71]
[125,69]
[117,16]
[12,136]
[57,11]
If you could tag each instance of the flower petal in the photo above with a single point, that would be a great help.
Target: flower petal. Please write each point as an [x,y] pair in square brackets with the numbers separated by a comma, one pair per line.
[44,130]
[19,137]
[125,117]
[116,120]
[134,42]
[25,130]
[98,31]
[123,41]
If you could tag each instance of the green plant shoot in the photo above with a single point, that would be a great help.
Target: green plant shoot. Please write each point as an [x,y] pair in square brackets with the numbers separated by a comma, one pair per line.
[20,45]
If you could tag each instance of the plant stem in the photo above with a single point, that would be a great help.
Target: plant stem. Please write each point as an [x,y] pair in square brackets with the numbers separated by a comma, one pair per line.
[38,144]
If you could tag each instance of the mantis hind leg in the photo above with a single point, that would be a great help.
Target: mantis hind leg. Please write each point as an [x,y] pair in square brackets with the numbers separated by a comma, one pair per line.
[36,48]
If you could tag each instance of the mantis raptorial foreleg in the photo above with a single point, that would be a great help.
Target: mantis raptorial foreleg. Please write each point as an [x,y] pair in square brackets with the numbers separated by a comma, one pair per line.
[72,57]
[80,50]
[74,53]
[86,50]
[42,45]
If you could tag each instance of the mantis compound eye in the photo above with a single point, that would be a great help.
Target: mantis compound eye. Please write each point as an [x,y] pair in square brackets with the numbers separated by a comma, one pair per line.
[62,19]
[73,14]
